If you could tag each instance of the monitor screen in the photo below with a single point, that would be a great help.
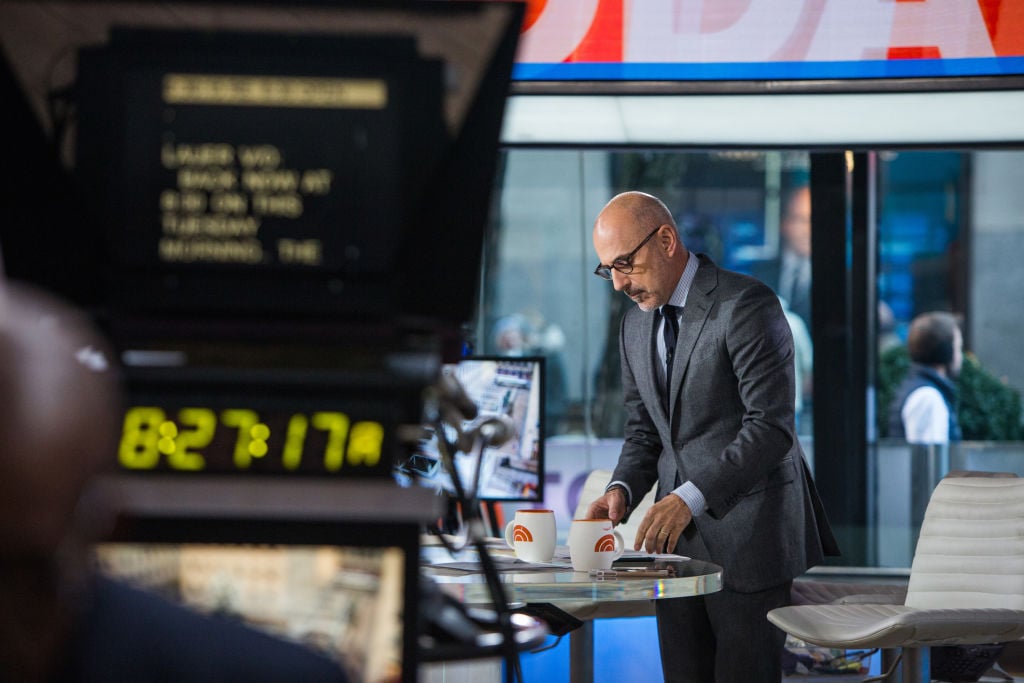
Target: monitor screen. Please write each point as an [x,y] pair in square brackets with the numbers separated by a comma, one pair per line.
[262,161]
[255,186]
[344,601]
[347,589]
[769,41]
[508,393]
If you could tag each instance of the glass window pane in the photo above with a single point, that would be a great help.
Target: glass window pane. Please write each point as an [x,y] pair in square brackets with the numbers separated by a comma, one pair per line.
[950,231]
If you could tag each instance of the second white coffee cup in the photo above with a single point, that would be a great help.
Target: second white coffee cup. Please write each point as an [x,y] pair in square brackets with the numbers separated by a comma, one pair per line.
[594,544]
[532,535]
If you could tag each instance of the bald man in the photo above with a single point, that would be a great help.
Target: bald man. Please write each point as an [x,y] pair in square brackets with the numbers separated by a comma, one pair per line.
[59,621]
[707,373]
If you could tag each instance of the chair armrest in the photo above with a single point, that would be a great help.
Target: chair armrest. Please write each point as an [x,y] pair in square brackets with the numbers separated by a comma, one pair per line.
[894,598]
[812,592]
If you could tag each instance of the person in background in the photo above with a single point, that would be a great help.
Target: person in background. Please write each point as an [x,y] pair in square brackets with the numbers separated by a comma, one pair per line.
[519,334]
[514,335]
[794,284]
[710,418]
[803,360]
[790,273]
[61,621]
[924,408]
[888,338]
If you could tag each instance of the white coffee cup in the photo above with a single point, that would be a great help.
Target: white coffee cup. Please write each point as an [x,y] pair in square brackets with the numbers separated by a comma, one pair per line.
[532,535]
[594,544]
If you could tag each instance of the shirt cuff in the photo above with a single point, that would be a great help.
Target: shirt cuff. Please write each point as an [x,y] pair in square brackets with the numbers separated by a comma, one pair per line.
[693,498]
[625,487]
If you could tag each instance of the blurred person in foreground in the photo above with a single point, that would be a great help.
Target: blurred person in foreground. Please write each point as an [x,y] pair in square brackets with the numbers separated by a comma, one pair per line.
[924,409]
[60,620]
[717,435]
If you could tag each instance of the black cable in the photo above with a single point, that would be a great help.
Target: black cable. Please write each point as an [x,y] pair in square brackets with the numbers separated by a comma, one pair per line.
[473,522]
[552,646]
[504,613]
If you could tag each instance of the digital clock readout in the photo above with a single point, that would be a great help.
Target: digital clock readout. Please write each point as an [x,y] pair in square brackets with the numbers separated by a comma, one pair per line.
[238,439]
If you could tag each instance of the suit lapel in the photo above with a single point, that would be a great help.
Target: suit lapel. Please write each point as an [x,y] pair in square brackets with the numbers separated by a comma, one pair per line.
[654,363]
[695,314]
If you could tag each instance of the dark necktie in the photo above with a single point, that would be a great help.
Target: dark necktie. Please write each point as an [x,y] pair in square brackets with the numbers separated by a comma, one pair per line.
[670,330]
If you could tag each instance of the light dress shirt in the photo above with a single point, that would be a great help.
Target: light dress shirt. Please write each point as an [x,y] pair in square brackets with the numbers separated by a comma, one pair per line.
[925,416]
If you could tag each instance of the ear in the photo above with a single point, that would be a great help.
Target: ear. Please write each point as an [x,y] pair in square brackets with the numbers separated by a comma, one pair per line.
[668,239]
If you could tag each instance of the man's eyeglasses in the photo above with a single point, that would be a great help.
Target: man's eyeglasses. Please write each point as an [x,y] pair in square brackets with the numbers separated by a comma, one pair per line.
[623,264]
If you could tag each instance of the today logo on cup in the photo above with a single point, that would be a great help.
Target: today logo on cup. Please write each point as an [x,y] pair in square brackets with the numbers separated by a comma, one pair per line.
[594,544]
[605,544]
[532,535]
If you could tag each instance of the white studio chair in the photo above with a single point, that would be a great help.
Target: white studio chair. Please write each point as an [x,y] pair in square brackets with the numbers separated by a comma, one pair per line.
[966,581]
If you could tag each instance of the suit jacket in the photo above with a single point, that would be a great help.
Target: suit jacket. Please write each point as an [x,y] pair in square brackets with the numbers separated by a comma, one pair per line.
[729,429]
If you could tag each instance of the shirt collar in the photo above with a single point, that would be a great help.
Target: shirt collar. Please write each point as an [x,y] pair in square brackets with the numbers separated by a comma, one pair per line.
[682,290]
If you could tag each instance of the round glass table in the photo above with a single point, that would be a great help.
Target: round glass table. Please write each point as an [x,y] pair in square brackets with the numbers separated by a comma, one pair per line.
[626,590]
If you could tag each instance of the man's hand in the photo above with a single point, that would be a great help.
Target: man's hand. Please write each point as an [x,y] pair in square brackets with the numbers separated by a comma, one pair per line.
[612,505]
[662,525]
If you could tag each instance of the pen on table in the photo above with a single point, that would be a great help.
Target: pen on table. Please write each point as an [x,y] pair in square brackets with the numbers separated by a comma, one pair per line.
[624,572]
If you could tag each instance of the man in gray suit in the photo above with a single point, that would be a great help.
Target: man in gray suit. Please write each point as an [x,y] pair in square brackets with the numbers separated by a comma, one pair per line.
[717,434]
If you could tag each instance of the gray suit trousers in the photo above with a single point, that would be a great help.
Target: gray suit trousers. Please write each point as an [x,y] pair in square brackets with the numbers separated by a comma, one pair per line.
[724,633]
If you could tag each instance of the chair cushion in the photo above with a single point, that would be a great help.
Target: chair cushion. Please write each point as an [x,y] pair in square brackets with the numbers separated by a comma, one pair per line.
[874,625]
[970,552]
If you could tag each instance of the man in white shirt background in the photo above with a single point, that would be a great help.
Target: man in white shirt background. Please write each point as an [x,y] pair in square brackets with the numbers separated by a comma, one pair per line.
[924,409]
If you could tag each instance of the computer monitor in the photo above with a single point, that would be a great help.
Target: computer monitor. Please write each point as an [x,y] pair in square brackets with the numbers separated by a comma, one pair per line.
[348,592]
[509,396]
[255,160]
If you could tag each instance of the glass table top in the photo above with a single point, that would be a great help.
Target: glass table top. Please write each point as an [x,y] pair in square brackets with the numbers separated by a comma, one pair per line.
[462,577]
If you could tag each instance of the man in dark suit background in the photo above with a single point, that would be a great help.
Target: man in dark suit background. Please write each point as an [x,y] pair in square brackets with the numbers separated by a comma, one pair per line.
[789,274]
[717,435]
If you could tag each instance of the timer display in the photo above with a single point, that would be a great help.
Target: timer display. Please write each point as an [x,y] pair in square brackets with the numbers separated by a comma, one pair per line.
[203,438]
